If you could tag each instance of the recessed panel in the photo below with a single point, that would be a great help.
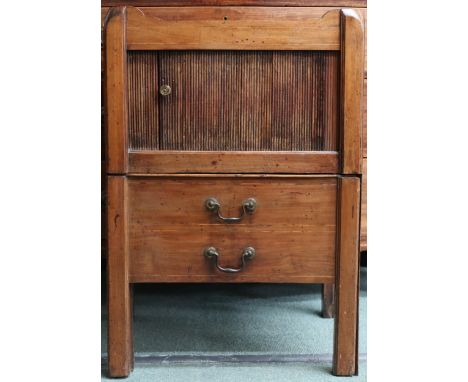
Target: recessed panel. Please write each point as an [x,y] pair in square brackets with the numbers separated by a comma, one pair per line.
[233,100]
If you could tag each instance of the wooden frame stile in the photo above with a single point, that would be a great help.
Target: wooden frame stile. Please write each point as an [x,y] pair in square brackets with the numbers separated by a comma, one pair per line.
[120,337]
[116,91]
[352,88]
[345,354]
[345,351]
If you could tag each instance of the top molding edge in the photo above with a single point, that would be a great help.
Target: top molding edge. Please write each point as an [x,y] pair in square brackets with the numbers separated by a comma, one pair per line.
[271,3]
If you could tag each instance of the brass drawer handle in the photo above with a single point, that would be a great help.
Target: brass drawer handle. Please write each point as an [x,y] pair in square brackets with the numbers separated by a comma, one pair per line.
[247,254]
[248,207]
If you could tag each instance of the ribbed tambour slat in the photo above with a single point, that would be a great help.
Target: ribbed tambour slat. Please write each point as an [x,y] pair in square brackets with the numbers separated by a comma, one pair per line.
[234,100]
[143,101]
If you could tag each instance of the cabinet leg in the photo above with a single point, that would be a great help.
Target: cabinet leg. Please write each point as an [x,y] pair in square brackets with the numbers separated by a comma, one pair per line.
[328,300]
[119,301]
[345,353]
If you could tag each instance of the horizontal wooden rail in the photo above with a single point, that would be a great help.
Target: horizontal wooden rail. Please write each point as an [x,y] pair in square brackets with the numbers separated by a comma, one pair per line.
[294,162]
[256,3]
[233,28]
[158,278]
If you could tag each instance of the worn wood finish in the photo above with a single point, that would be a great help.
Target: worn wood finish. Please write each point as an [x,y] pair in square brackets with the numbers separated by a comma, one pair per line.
[116,87]
[364,121]
[295,257]
[352,56]
[328,300]
[363,242]
[103,210]
[257,3]
[260,100]
[298,214]
[299,162]
[233,28]
[363,13]
[104,11]
[245,176]
[345,352]
[320,3]
[120,342]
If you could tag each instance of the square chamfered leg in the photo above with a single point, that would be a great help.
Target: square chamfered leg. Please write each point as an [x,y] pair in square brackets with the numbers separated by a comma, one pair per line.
[120,339]
[345,353]
[328,300]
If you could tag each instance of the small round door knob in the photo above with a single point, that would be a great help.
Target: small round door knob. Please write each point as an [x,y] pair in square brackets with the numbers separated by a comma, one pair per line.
[165,90]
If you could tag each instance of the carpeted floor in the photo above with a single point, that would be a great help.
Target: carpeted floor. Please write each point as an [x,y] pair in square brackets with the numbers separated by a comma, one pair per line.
[234,333]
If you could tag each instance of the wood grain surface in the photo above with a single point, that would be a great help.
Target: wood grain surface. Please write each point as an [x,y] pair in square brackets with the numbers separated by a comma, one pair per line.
[169,227]
[352,81]
[281,201]
[293,162]
[364,121]
[363,242]
[120,341]
[345,354]
[233,28]
[259,3]
[116,88]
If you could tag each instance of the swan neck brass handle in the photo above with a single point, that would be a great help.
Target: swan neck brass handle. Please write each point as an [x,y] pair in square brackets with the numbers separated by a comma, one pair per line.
[248,207]
[247,254]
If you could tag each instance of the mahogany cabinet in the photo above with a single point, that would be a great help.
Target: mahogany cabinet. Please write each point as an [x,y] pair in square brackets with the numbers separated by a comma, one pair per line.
[361,4]
[234,153]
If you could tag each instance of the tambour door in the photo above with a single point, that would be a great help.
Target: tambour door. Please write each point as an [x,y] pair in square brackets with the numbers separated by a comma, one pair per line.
[233,100]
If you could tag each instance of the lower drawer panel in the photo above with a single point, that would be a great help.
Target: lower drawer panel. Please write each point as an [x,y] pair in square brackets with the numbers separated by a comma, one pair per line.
[177,255]
[294,244]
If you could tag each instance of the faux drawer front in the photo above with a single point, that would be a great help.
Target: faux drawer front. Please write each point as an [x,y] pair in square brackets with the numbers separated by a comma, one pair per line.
[292,229]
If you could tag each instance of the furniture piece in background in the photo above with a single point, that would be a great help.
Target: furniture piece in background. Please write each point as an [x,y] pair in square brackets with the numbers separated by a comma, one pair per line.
[160,107]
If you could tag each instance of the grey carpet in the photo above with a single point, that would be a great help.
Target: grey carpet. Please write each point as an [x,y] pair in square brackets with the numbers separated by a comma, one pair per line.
[234,332]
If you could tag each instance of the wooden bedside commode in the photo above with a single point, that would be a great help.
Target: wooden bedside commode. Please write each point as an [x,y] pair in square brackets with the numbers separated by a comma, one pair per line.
[239,129]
